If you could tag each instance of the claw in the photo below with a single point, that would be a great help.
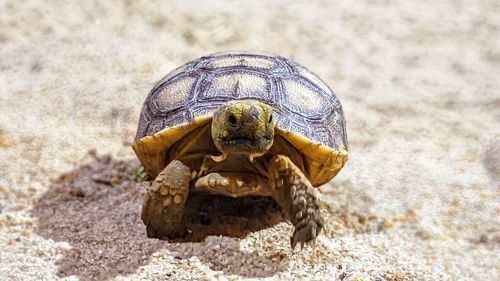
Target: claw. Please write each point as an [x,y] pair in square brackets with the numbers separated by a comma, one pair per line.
[306,231]
[216,180]
[312,244]
[164,189]
[293,243]
[211,181]
[298,216]
[154,187]
[312,231]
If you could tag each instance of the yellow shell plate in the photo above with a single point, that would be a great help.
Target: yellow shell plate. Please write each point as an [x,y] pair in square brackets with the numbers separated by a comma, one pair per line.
[323,163]
[152,150]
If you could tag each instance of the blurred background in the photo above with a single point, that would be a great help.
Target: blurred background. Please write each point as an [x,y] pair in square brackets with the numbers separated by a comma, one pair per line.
[418,82]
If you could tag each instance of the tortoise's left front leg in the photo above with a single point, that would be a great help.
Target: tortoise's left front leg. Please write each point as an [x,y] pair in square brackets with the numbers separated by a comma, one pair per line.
[297,197]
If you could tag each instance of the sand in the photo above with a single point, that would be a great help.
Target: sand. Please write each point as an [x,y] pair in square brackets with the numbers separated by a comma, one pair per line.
[418,199]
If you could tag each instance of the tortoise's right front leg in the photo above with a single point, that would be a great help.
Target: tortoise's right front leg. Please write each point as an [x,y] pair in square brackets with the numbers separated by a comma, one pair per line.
[164,202]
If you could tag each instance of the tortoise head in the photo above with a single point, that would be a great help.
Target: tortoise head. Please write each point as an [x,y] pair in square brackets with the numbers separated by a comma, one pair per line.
[243,127]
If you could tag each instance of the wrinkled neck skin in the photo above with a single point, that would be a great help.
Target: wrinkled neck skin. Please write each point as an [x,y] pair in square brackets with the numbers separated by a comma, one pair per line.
[243,129]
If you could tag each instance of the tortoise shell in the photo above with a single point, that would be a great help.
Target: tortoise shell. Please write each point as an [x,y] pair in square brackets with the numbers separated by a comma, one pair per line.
[306,111]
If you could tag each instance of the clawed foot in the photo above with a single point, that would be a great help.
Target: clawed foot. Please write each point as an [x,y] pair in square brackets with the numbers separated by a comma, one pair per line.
[305,214]
[299,198]
[306,230]
[164,202]
[162,214]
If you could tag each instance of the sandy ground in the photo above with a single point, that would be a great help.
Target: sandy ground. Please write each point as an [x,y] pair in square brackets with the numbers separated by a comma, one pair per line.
[419,81]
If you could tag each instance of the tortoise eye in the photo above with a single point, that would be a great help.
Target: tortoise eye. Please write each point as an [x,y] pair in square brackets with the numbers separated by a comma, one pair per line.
[232,119]
[270,118]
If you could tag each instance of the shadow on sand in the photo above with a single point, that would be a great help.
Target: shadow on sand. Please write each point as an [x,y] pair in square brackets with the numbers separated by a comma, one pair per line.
[96,209]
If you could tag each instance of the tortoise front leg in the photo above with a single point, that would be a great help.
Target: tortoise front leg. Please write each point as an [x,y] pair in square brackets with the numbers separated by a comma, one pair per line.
[297,197]
[164,202]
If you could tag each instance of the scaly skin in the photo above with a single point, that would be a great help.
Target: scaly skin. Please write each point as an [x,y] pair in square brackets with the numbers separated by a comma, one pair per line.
[297,196]
[164,203]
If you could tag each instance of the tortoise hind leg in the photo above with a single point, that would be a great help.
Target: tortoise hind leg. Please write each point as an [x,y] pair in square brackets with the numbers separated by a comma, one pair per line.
[164,202]
[297,197]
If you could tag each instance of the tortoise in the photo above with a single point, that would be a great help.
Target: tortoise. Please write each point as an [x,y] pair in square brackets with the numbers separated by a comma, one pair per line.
[240,124]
